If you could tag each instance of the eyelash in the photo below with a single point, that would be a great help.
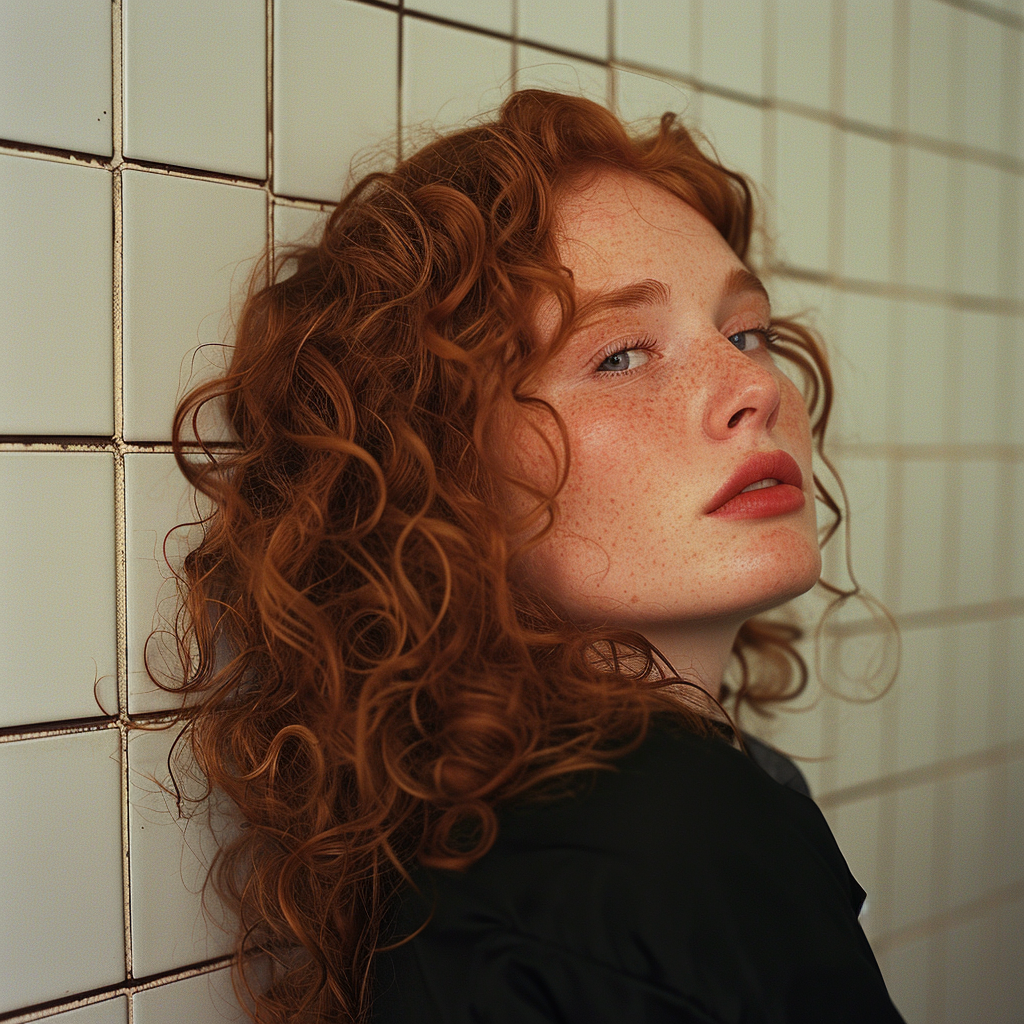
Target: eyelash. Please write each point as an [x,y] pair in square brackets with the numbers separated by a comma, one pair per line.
[647,344]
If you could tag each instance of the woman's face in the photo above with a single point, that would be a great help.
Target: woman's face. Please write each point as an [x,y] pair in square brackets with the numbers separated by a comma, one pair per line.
[673,404]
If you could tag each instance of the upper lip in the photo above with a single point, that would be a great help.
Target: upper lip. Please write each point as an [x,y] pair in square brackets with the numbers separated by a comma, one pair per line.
[777,465]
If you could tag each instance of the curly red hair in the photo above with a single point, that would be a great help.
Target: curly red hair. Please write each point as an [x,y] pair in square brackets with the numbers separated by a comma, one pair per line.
[389,684]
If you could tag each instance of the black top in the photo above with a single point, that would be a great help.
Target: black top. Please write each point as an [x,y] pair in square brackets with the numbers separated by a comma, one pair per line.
[685,886]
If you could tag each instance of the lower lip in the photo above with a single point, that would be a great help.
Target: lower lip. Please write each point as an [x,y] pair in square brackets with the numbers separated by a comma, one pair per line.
[762,503]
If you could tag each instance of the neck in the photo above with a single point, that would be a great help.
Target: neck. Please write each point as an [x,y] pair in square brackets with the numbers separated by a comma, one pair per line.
[697,653]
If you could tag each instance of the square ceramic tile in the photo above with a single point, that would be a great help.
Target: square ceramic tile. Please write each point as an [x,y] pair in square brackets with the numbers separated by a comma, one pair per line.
[644,97]
[979,517]
[580,27]
[928,75]
[922,581]
[189,247]
[55,77]
[202,999]
[62,915]
[972,989]
[802,191]
[863,369]
[56,326]
[450,75]
[297,224]
[980,378]
[1008,670]
[980,45]
[539,69]
[495,15]
[335,93]
[732,45]
[969,714]
[655,34]
[110,1011]
[170,856]
[912,856]
[870,29]
[58,633]
[195,84]
[736,131]
[969,831]
[927,225]
[867,208]
[982,221]
[803,46]
[157,498]
[921,382]
[921,693]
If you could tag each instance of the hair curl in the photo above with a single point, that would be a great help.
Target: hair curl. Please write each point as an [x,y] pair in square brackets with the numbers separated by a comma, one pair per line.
[388,682]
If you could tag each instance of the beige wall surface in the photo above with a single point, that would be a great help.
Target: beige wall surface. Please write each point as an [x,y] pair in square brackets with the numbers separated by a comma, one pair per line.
[150,148]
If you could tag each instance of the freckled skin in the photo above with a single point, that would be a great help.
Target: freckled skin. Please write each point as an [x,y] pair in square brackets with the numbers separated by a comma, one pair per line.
[650,447]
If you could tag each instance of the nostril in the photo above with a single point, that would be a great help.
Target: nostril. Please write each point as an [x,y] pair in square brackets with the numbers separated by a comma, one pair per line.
[736,417]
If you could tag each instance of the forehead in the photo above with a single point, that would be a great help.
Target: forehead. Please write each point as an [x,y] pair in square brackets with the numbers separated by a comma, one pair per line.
[614,223]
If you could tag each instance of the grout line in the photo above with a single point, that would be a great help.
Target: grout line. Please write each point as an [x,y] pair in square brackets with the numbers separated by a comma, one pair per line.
[953,615]
[399,73]
[24,1015]
[949,919]
[269,115]
[117,443]
[928,452]
[937,772]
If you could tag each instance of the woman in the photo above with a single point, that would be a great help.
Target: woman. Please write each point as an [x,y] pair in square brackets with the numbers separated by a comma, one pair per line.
[517,470]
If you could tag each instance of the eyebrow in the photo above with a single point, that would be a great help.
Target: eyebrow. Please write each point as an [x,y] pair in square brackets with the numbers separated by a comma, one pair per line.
[741,280]
[650,292]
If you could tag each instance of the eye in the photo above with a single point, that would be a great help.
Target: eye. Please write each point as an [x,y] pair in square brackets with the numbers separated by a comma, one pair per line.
[748,341]
[624,359]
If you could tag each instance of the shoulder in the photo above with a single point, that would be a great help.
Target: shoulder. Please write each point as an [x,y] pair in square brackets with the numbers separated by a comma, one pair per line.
[686,873]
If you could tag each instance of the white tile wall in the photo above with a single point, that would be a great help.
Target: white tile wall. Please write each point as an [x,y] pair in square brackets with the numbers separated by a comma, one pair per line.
[62,915]
[539,69]
[867,235]
[189,246]
[58,633]
[156,500]
[803,47]
[979,44]
[335,92]
[656,34]
[495,15]
[927,223]
[296,224]
[732,49]
[803,175]
[922,367]
[867,89]
[430,51]
[638,94]
[195,84]
[55,74]
[56,311]
[580,27]
[110,1011]
[201,999]
[169,856]
[112,274]
[930,44]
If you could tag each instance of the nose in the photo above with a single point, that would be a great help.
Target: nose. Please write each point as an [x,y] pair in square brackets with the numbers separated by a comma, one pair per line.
[743,391]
